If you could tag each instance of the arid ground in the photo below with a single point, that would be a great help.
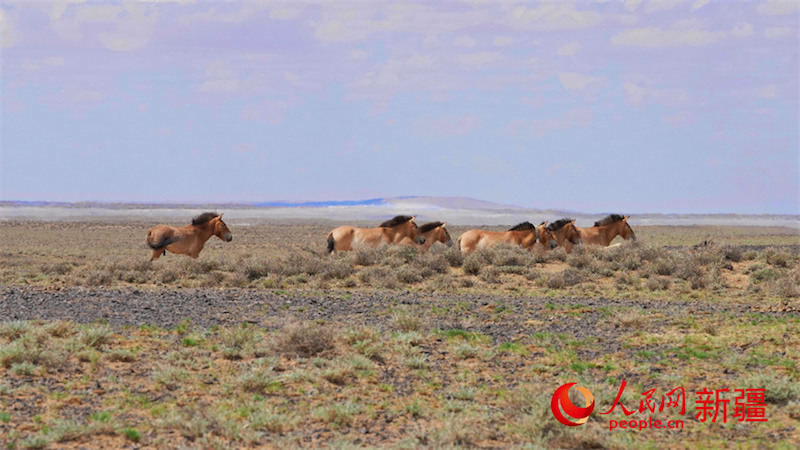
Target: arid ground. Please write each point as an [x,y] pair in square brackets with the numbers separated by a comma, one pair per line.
[268,342]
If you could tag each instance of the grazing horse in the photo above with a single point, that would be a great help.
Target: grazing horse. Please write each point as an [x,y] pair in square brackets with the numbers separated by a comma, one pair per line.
[393,231]
[188,240]
[565,233]
[433,232]
[604,231]
[523,234]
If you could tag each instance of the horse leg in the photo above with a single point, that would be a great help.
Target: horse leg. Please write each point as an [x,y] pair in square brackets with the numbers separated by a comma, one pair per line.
[157,254]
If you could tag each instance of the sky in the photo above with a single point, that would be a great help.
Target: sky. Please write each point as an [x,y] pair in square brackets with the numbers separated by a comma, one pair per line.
[633,107]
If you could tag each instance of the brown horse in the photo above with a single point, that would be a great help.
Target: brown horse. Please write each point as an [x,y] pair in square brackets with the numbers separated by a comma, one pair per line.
[393,231]
[565,233]
[188,240]
[523,234]
[547,240]
[604,231]
[433,232]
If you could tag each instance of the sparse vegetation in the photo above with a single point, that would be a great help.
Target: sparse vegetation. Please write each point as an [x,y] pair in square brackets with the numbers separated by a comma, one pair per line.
[475,366]
[297,260]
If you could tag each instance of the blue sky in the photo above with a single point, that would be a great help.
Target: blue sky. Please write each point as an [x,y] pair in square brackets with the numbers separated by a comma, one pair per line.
[667,106]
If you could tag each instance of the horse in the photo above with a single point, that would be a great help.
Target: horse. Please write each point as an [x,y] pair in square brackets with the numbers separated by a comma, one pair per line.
[392,231]
[547,240]
[188,240]
[604,231]
[565,232]
[523,234]
[433,232]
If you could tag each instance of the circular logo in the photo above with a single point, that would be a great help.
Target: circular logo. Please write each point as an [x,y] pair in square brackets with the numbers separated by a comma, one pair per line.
[561,397]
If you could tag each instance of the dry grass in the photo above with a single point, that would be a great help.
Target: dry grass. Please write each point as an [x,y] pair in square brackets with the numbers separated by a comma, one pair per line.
[420,377]
[293,257]
[314,386]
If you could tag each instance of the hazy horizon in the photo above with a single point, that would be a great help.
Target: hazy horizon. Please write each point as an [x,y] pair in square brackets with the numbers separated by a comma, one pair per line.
[455,210]
[686,107]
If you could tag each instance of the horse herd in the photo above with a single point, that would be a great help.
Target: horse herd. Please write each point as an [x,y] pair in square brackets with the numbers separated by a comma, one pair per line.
[402,230]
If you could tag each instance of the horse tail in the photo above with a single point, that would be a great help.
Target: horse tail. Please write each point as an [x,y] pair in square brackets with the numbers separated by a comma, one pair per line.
[331,242]
[162,243]
[458,244]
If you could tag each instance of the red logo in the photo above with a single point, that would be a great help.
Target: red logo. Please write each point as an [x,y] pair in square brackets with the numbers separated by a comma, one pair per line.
[561,397]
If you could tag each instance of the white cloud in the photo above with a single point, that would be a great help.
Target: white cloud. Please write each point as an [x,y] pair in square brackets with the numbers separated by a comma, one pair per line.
[286,12]
[578,82]
[8,28]
[679,118]
[570,49]
[75,98]
[502,41]
[652,37]
[536,128]
[355,22]
[119,27]
[291,77]
[699,4]
[358,54]
[662,5]
[34,65]
[448,126]
[560,16]
[227,14]
[770,91]
[271,112]
[778,32]
[632,5]
[479,60]
[778,7]
[244,147]
[218,69]
[58,8]
[642,95]
[743,29]
[219,78]
[229,85]
[464,41]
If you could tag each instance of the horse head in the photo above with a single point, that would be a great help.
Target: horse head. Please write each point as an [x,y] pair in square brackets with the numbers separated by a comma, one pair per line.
[415,233]
[564,231]
[436,232]
[572,234]
[546,237]
[625,230]
[221,230]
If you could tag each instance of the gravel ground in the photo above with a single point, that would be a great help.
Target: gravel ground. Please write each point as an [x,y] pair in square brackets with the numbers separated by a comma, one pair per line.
[500,317]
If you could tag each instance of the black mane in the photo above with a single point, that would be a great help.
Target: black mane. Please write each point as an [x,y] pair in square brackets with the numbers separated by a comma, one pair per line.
[395,221]
[204,218]
[609,220]
[558,224]
[429,226]
[522,226]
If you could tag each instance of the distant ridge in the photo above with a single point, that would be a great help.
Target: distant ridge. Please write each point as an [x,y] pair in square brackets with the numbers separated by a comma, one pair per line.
[453,210]
[321,204]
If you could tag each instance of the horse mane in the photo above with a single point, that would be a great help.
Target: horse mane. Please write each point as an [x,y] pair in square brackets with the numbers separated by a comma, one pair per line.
[558,224]
[204,218]
[395,221]
[429,226]
[609,220]
[522,226]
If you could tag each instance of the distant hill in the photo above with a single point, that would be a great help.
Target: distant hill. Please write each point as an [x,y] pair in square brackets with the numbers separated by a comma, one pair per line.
[454,210]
